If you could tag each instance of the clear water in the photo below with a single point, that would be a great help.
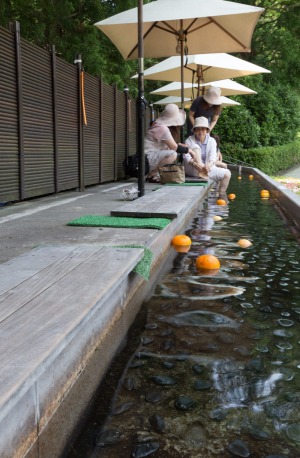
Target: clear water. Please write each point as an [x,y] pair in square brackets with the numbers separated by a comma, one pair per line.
[215,371]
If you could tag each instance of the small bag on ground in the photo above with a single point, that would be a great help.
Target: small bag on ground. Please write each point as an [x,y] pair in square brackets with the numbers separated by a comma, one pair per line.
[131,166]
[172,173]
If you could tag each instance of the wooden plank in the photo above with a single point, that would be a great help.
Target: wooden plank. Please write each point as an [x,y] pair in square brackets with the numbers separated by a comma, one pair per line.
[50,264]
[166,202]
[19,269]
[42,327]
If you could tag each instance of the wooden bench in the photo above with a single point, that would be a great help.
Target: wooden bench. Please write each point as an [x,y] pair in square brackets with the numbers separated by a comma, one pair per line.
[166,202]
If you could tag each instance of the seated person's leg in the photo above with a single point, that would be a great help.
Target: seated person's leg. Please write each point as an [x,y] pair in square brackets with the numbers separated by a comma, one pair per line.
[225,181]
[169,159]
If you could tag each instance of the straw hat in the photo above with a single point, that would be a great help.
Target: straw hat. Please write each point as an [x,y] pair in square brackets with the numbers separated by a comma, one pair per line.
[213,96]
[201,122]
[172,116]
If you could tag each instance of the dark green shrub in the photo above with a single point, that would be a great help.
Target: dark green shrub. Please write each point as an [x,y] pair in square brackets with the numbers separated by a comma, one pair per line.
[270,117]
[270,160]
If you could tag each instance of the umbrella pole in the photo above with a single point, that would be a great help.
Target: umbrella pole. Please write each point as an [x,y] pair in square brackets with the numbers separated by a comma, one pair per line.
[141,105]
[181,75]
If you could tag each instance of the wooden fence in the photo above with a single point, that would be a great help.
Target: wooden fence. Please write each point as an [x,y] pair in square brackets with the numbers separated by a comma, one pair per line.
[45,145]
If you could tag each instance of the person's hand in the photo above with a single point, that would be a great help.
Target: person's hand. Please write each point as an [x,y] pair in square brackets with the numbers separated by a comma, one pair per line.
[199,167]
[192,153]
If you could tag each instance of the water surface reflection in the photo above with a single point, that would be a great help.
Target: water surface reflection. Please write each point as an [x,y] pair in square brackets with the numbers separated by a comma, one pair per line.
[217,370]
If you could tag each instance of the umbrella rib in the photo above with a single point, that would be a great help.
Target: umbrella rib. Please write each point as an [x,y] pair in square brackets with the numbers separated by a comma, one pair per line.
[200,26]
[172,30]
[150,29]
[228,33]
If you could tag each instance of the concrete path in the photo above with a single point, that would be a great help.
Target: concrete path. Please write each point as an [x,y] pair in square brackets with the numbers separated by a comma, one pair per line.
[294,172]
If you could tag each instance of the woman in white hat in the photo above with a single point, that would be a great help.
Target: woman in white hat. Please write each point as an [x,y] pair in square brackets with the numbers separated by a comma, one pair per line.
[205,149]
[208,105]
[160,146]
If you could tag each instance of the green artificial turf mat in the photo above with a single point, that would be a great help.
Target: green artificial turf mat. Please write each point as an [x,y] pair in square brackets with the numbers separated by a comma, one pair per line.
[120,221]
[143,266]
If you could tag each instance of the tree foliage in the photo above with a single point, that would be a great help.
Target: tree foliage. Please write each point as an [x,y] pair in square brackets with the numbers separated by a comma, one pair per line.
[268,118]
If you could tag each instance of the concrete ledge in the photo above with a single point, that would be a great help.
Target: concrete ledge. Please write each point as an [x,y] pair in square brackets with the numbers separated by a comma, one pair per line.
[47,320]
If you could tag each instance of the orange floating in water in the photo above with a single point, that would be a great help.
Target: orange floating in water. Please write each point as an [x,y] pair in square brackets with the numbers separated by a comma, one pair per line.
[221,202]
[239,177]
[207,262]
[231,196]
[264,193]
[250,177]
[244,243]
[181,240]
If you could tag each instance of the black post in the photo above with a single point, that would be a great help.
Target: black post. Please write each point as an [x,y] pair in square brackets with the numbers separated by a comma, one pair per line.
[55,125]
[181,38]
[20,112]
[151,112]
[78,62]
[141,104]
[126,92]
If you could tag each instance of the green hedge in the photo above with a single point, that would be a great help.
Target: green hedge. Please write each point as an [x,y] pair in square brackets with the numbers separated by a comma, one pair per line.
[270,160]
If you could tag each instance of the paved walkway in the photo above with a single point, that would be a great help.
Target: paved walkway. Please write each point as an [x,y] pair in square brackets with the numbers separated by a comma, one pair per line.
[294,172]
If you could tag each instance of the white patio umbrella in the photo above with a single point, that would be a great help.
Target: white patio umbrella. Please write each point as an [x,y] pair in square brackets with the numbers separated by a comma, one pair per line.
[187,101]
[174,99]
[175,89]
[164,27]
[201,25]
[204,68]
[228,87]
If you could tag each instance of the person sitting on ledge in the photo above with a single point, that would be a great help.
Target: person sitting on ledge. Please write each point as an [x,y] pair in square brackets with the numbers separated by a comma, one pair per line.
[219,162]
[205,149]
[160,146]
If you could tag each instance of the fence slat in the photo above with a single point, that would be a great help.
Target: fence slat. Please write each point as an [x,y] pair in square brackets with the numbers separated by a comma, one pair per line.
[40,122]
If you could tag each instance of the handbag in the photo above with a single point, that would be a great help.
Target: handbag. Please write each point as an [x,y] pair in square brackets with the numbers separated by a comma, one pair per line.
[131,166]
[172,173]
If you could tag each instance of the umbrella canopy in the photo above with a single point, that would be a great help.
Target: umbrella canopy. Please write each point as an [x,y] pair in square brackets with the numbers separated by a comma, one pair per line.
[187,101]
[175,89]
[174,99]
[203,26]
[204,67]
[165,27]
[228,87]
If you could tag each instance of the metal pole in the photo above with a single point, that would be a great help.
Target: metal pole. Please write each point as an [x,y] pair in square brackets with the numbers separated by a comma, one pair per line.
[18,62]
[181,76]
[141,106]
[78,62]
[55,124]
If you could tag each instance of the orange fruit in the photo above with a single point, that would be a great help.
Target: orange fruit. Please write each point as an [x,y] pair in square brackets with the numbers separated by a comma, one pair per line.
[250,177]
[221,202]
[181,240]
[264,193]
[231,196]
[239,177]
[244,243]
[217,218]
[207,262]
